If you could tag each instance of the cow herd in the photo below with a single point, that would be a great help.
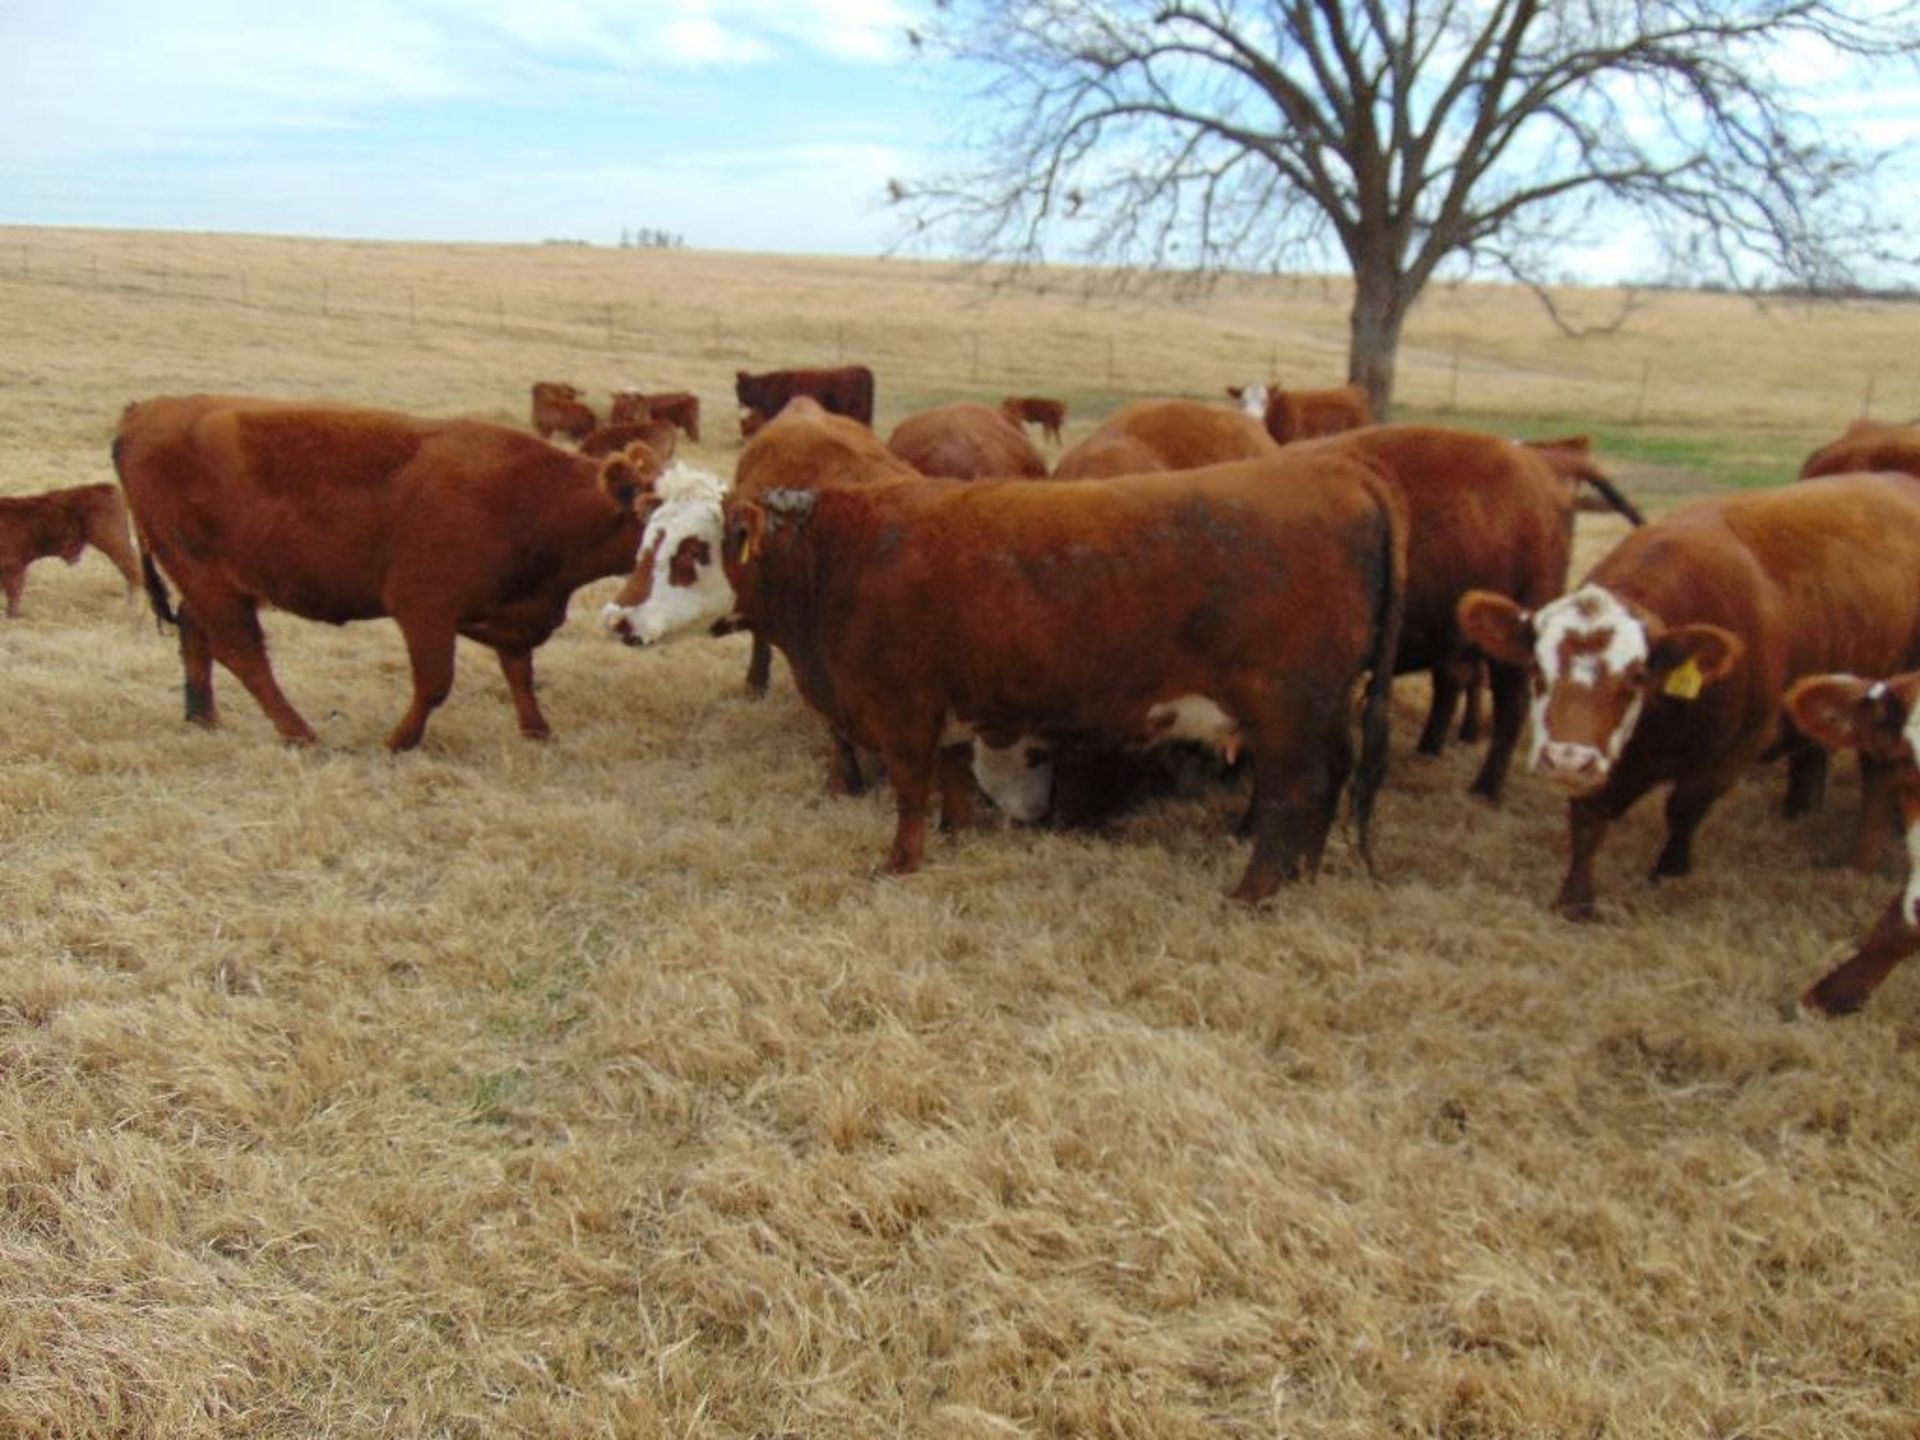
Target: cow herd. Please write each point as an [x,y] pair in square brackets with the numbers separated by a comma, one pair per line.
[972,620]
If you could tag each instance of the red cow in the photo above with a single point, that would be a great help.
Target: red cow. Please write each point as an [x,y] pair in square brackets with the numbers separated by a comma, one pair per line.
[1304,414]
[682,407]
[1483,514]
[557,409]
[452,527]
[1049,415]
[843,390]
[1236,605]
[1669,663]
[62,523]
[1880,719]
[1867,445]
[965,441]
[1152,435]
[1571,457]
[659,436]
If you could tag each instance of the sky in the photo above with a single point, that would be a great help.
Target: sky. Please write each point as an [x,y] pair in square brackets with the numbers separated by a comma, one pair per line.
[740,124]
[757,125]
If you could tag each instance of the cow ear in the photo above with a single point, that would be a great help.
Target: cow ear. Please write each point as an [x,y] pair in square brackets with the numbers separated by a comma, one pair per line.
[623,481]
[746,524]
[1688,658]
[1498,625]
[1844,712]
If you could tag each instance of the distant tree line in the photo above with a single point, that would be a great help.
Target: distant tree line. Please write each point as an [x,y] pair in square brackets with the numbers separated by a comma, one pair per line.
[648,238]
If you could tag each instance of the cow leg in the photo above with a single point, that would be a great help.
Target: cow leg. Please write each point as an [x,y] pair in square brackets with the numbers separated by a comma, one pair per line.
[1446,695]
[844,776]
[1687,806]
[956,788]
[196,659]
[111,541]
[760,670]
[1587,822]
[229,627]
[1473,678]
[1846,987]
[1509,686]
[430,653]
[1878,813]
[1806,779]
[1295,797]
[14,578]
[911,771]
[517,666]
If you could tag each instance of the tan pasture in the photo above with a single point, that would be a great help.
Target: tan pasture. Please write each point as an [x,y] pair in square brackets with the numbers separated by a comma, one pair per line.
[600,1089]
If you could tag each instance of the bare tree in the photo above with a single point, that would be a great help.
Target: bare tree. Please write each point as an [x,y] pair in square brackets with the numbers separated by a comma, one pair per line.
[1480,135]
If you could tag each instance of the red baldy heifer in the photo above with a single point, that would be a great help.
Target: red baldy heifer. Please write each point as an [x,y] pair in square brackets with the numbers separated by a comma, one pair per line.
[965,441]
[1156,435]
[1881,720]
[1669,663]
[62,523]
[1238,605]
[558,410]
[842,390]
[1049,415]
[452,527]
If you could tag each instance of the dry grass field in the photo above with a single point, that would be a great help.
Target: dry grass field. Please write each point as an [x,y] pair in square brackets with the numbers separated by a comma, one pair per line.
[600,1089]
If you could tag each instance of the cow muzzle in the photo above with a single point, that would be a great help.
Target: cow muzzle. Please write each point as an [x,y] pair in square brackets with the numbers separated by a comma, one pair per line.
[620,624]
[1580,769]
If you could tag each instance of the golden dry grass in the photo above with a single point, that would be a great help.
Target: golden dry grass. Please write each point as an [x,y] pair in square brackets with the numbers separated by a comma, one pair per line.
[599,1088]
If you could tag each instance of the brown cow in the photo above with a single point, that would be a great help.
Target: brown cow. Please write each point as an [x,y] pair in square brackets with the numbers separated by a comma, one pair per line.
[1483,514]
[842,390]
[1571,457]
[1304,414]
[558,410]
[1237,605]
[1669,663]
[658,435]
[452,527]
[1880,719]
[682,407]
[1867,445]
[1049,415]
[1154,435]
[62,523]
[966,441]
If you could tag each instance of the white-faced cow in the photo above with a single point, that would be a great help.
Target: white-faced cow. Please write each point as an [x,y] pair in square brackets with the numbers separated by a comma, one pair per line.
[1668,665]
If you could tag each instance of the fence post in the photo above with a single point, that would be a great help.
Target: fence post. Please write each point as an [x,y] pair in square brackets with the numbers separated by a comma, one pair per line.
[1640,400]
[499,312]
[413,314]
[326,305]
[1453,388]
[243,287]
[1109,362]
[609,324]
[1866,402]
[973,347]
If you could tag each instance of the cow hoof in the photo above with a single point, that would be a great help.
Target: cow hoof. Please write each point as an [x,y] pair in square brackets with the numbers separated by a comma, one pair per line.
[543,733]
[1830,1006]
[1578,911]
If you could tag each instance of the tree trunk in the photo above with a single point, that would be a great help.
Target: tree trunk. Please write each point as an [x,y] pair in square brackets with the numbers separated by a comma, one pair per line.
[1379,308]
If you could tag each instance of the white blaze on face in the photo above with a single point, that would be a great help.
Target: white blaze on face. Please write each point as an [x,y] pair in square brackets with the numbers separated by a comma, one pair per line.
[1018,777]
[690,591]
[1584,641]
[1253,400]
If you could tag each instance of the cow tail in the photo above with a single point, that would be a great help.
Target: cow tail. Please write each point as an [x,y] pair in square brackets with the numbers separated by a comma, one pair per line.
[157,596]
[1611,494]
[1376,705]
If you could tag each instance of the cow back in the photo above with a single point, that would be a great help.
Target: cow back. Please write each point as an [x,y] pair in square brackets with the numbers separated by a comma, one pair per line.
[1867,445]
[965,441]
[1171,434]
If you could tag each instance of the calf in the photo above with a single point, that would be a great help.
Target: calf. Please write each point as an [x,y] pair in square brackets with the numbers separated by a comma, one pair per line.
[452,527]
[1239,605]
[841,390]
[1881,720]
[681,407]
[1304,414]
[1150,435]
[658,436]
[965,441]
[1667,666]
[558,410]
[62,523]
[1049,415]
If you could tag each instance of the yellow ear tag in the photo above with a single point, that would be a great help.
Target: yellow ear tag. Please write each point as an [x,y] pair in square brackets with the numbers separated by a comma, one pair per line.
[746,551]
[1686,682]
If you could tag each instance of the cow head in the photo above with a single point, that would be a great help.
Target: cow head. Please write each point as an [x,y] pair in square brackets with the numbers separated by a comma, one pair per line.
[1595,662]
[1017,776]
[1880,719]
[678,583]
[1250,398]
